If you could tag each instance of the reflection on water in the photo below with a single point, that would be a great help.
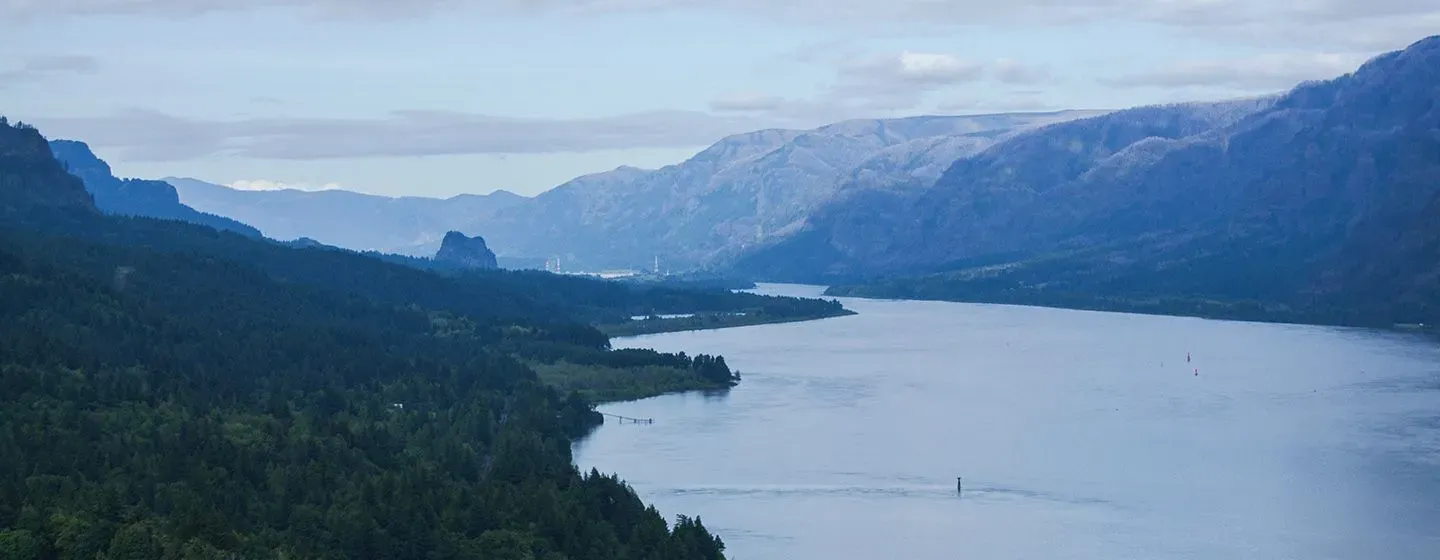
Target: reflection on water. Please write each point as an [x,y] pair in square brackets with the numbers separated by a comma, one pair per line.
[1078,434]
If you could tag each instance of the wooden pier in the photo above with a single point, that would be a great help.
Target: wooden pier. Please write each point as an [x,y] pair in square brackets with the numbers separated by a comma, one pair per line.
[629,420]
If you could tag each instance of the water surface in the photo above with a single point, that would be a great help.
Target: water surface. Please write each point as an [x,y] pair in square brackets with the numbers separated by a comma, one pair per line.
[1079,435]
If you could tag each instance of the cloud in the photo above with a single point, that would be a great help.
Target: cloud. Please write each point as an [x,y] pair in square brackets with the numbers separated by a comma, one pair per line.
[911,69]
[890,82]
[1266,72]
[42,66]
[1014,72]
[29,10]
[954,11]
[747,102]
[937,70]
[1316,22]
[143,135]
[876,85]
[1010,101]
[268,185]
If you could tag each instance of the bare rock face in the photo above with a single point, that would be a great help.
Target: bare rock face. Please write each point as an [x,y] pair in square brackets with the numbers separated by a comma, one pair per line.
[466,252]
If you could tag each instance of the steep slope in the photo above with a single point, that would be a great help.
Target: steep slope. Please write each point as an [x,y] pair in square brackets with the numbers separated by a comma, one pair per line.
[135,197]
[167,400]
[465,252]
[31,181]
[1313,206]
[743,190]
[989,203]
[404,225]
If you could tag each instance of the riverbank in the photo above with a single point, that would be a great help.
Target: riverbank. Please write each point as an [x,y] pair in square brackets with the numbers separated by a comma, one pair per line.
[1171,306]
[1090,428]
[710,321]
[606,385]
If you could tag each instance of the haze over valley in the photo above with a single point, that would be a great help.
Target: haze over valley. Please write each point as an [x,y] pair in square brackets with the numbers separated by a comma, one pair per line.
[1181,207]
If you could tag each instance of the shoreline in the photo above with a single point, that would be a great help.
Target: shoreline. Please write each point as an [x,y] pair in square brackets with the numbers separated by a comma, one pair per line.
[708,322]
[1216,311]
[677,326]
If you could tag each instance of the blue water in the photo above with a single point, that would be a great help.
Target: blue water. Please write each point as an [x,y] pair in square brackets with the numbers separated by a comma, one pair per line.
[1079,435]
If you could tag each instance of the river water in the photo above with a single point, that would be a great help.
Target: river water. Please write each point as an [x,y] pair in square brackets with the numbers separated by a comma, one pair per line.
[1078,434]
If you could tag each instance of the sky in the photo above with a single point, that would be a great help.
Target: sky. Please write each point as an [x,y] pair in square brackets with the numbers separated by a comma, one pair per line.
[442,97]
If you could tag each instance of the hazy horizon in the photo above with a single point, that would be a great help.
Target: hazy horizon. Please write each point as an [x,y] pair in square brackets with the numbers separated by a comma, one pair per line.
[443,98]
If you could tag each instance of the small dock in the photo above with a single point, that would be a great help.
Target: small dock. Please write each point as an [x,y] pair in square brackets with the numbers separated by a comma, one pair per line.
[629,420]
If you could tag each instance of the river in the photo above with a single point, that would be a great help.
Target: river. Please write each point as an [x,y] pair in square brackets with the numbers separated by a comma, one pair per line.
[1079,435]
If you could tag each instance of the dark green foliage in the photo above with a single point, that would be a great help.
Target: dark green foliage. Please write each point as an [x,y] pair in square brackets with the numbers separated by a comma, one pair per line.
[775,310]
[31,181]
[175,392]
[204,407]
[713,368]
[465,252]
[20,544]
[594,383]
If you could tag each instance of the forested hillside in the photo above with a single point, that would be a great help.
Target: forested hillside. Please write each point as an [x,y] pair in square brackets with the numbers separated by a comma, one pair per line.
[175,392]
[135,197]
[402,280]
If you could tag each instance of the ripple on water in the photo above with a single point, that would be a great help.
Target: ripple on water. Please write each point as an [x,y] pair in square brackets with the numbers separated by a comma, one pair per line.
[1075,441]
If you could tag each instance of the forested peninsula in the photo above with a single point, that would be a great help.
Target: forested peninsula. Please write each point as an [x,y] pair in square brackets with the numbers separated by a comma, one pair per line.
[174,391]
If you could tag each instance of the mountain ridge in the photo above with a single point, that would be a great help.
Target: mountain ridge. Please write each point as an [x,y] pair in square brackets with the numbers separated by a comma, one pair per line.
[696,213]
[1313,203]
[406,225]
[32,180]
[135,197]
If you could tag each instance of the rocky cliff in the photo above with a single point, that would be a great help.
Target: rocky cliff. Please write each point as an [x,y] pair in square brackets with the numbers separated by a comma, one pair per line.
[466,252]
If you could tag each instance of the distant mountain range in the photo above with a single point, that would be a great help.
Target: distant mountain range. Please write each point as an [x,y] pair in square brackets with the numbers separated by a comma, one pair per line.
[135,197]
[1322,204]
[1004,199]
[406,225]
[743,190]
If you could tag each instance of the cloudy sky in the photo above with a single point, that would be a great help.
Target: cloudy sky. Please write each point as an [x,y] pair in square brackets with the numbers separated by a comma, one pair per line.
[439,97]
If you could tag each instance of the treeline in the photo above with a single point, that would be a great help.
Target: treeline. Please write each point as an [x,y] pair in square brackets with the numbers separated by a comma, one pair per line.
[406,280]
[175,392]
[694,281]
[709,368]
[776,310]
[1264,283]
[183,407]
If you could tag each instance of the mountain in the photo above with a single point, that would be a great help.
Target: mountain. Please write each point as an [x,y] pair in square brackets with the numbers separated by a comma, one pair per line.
[982,204]
[43,184]
[742,191]
[134,197]
[31,181]
[465,252]
[403,225]
[1316,205]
